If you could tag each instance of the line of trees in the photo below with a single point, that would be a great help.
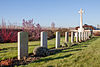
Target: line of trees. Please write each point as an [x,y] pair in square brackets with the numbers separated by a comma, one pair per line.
[10,35]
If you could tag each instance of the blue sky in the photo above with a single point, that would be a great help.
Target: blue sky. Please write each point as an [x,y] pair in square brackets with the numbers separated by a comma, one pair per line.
[64,13]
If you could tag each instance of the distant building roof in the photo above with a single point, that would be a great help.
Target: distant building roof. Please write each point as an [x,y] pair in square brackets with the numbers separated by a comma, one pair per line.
[87,27]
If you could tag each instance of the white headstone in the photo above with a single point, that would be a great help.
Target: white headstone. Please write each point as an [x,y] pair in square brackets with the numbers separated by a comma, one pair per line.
[77,36]
[86,36]
[43,39]
[66,36]
[88,33]
[22,44]
[82,36]
[72,37]
[57,39]
[80,33]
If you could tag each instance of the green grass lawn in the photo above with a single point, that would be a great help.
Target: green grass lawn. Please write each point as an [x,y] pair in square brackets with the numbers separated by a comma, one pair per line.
[9,50]
[85,54]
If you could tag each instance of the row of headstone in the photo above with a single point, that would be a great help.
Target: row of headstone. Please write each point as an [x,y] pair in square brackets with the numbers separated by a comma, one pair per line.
[83,36]
[80,36]
[44,39]
[23,40]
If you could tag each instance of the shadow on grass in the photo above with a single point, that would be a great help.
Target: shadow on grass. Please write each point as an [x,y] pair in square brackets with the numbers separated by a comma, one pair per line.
[4,49]
[90,40]
[72,50]
[3,52]
[50,66]
[48,59]
[83,44]
[78,46]
[86,43]
[33,45]
[8,48]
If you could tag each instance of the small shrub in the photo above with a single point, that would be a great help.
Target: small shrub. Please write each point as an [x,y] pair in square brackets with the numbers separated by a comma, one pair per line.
[33,30]
[64,45]
[41,51]
[8,35]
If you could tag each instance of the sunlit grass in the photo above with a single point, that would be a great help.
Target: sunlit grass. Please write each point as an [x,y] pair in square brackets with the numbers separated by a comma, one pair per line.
[85,54]
[9,50]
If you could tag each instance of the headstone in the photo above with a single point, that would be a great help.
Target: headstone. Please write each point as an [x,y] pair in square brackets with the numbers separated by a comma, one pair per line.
[77,36]
[84,36]
[88,35]
[44,39]
[22,44]
[72,37]
[66,36]
[57,39]
[91,32]
[80,36]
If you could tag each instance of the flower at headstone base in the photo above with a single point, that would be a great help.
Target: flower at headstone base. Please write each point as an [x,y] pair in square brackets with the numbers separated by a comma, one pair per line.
[64,44]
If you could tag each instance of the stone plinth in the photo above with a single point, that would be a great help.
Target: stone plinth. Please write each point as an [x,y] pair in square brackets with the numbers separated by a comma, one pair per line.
[80,29]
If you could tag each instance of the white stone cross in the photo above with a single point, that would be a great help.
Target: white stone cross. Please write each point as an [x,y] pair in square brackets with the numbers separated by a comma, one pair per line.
[81,19]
